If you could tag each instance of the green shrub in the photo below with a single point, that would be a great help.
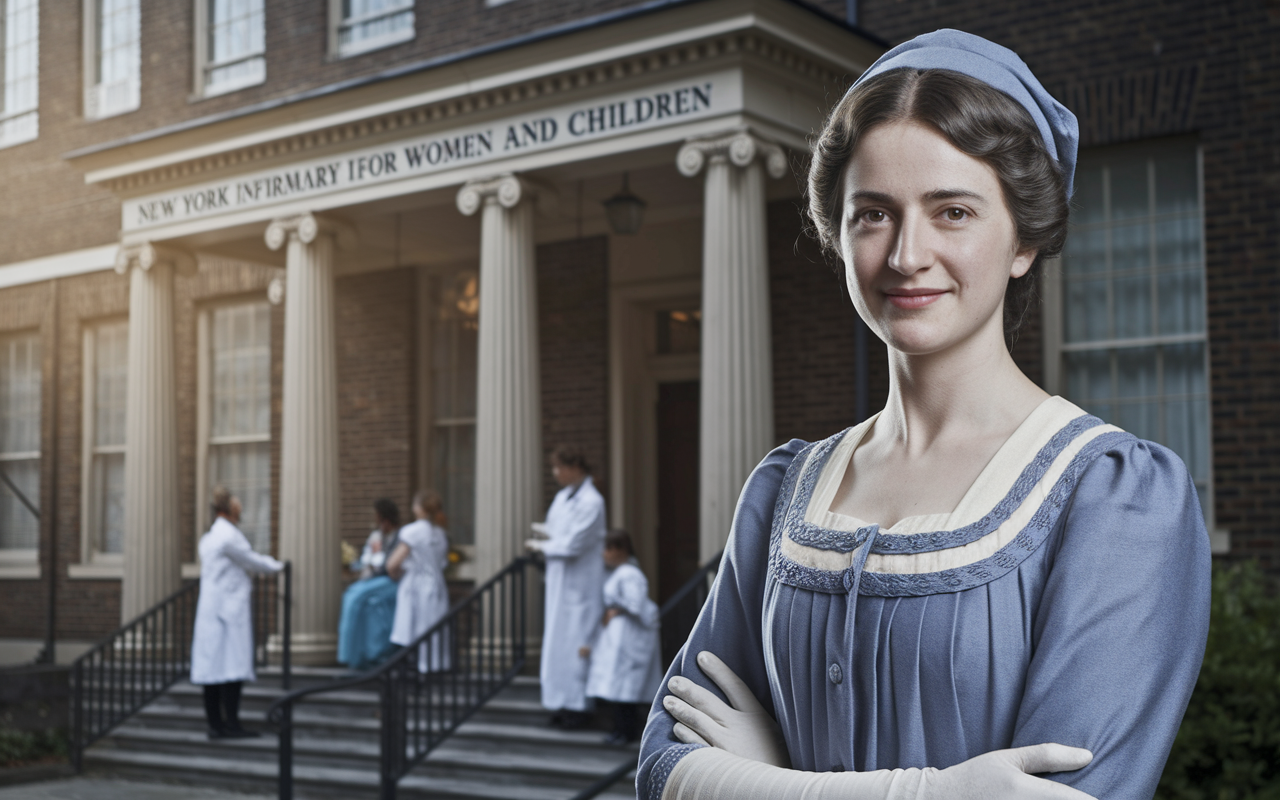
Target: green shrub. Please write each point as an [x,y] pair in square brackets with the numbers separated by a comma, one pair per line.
[1228,747]
[21,747]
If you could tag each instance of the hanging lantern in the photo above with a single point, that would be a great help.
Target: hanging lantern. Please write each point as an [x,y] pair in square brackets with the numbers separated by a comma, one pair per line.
[625,211]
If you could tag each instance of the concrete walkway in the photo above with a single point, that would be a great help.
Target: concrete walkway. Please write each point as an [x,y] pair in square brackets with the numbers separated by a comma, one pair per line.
[90,788]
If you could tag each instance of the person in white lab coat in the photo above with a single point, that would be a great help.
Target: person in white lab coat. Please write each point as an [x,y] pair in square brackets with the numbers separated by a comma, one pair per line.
[626,661]
[575,530]
[418,562]
[222,639]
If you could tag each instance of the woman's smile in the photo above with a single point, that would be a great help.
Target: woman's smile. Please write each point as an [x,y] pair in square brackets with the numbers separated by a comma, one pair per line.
[913,298]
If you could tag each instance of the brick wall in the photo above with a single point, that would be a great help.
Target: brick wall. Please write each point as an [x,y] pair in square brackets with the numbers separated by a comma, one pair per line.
[377,369]
[814,353]
[1134,71]
[573,331]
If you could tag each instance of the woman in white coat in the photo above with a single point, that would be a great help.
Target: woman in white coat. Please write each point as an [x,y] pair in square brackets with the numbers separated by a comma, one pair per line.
[222,641]
[574,546]
[418,562]
[626,662]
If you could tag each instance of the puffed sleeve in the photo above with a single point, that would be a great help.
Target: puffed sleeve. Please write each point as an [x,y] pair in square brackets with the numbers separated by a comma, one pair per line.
[1120,630]
[729,624]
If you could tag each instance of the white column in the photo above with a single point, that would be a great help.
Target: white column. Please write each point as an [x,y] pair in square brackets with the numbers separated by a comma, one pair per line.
[152,564]
[310,530]
[508,407]
[737,357]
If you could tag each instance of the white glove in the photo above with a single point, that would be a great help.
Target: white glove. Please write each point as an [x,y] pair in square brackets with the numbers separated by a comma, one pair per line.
[750,758]
[1007,773]
[534,545]
[713,774]
[743,728]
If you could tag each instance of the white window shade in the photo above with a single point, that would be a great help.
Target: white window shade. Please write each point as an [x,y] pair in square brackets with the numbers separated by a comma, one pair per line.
[1133,341]
[19,71]
[235,45]
[239,435]
[369,24]
[107,362]
[453,379]
[114,58]
[20,376]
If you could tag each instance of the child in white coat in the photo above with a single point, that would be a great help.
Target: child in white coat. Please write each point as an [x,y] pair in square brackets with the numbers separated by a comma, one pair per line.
[626,662]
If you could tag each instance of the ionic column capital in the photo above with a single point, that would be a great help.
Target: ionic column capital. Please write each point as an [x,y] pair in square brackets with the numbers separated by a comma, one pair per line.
[739,148]
[505,190]
[147,254]
[306,228]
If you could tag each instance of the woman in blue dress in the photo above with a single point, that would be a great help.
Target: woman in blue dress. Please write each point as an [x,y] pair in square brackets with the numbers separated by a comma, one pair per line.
[369,604]
[981,591]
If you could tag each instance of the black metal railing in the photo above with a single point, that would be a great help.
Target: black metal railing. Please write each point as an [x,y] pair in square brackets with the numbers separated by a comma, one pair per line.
[677,617]
[436,683]
[143,658]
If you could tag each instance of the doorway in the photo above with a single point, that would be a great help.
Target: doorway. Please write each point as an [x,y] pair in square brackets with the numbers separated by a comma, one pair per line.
[677,484]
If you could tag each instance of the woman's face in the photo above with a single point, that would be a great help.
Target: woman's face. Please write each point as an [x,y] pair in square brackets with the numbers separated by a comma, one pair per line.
[928,243]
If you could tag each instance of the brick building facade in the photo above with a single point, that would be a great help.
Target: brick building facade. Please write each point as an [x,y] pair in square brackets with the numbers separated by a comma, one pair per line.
[608,308]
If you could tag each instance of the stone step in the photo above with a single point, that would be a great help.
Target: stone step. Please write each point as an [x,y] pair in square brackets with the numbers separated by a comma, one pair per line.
[485,781]
[504,750]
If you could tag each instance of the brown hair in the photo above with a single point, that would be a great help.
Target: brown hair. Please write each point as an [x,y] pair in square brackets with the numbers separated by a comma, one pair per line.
[570,456]
[429,501]
[620,540]
[980,121]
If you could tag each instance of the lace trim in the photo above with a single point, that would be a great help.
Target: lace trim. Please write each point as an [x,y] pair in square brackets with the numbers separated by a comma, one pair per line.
[803,532]
[1007,558]
[907,544]
[666,762]
[797,488]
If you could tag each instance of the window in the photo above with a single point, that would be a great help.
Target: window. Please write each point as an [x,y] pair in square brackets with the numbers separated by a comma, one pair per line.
[363,25]
[235,414]
[19,70]
[106,369]
[1132,342]
[453,378]
[20,444]
[230,42]
[113,57]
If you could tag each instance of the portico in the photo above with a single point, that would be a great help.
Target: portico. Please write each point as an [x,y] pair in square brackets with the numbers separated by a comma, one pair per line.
[466,174]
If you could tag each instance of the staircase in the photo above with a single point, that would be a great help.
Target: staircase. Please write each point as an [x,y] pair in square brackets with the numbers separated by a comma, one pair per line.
[504,752]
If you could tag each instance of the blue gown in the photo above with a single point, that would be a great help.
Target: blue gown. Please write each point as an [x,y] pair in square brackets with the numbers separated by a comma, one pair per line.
[1071,606]
[364,628]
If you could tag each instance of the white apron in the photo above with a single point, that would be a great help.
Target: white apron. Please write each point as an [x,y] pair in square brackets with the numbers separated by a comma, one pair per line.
[422,597]
[575,583]
[222,641]
[626,663]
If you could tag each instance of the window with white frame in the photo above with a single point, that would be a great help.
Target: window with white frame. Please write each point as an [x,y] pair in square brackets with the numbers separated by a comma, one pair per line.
[20,443]
[113,57]
[236,413]
[106,370]
[230,45]
[19,71]
[453,378]
[1133,345]
[363,25]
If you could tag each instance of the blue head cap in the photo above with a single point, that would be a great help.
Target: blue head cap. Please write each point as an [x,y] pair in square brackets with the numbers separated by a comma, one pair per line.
[995,66]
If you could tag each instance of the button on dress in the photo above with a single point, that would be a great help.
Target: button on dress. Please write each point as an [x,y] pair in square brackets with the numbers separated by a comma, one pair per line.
[1065,599]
